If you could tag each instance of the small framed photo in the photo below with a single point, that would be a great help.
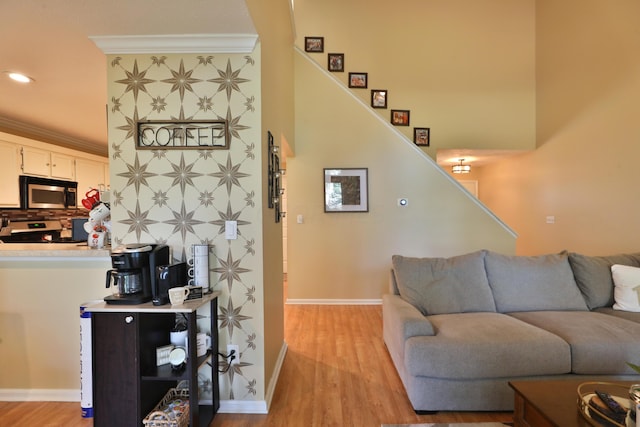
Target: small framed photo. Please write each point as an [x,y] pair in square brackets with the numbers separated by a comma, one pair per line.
[421,136]
[379,98]
[358,80]
[400,117]
[314,44]
[346,190]
[336,62]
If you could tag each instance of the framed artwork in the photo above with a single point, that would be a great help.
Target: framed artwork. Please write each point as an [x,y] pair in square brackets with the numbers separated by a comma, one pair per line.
[400,117]
[336,62]
[358,80]
[421,136]
[314,44]
[379,98]
[346,190]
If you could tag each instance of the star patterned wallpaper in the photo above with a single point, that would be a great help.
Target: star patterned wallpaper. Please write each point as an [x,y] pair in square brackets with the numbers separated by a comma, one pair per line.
[182,197]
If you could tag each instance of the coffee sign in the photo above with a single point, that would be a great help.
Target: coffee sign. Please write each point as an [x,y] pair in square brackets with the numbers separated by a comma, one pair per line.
[182,135]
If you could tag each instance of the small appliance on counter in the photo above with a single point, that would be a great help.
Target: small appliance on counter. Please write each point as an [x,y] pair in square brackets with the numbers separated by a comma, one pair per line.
[133,276]
[169,276]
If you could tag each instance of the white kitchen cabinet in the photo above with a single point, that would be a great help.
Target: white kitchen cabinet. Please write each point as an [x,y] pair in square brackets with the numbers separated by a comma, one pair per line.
[90,174]
[9,171]
[47,164]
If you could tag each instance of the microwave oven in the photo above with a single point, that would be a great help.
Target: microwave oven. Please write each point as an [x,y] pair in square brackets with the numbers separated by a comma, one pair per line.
[45,193]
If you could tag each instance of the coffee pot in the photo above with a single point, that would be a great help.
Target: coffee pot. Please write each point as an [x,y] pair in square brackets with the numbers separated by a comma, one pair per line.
[134,272]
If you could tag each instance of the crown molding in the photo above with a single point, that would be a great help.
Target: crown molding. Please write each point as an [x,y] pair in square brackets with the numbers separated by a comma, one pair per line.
[177,43]
[26,130]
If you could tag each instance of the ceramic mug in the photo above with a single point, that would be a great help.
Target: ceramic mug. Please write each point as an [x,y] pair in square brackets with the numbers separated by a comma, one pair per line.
[178,295]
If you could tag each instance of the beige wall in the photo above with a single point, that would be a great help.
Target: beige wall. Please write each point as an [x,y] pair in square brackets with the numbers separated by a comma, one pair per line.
[273,22]
[585,171]
[464,68]
[40,324]
[346,256]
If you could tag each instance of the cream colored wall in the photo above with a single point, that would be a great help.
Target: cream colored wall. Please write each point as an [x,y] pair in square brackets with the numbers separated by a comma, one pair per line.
[347,256]
[464,68]
[40,323]
[585,171]
[273,22]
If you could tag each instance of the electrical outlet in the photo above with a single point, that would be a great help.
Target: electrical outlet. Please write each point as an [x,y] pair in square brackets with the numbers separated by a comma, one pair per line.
[234,348]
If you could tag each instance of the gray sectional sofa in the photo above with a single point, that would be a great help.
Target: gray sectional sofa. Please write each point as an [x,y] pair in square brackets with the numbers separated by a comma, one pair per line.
[458,329]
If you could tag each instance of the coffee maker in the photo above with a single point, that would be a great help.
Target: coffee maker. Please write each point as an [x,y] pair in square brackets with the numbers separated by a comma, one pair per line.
[133,276]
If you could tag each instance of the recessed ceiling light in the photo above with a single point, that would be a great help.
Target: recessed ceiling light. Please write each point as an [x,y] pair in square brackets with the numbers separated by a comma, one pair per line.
[19,77]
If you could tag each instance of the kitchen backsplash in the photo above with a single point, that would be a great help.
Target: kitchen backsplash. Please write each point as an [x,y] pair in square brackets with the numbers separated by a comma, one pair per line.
[64,215]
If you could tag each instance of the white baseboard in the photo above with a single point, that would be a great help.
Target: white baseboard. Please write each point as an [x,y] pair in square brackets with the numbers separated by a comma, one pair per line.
[40,395]
[226,406]
[291,301]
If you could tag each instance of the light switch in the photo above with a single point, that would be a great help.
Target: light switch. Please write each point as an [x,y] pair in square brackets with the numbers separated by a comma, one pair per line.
[300,219]
[231,230]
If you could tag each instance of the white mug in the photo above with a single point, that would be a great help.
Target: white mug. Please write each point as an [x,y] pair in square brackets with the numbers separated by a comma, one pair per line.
[99,213]
[178,295]
[203,343]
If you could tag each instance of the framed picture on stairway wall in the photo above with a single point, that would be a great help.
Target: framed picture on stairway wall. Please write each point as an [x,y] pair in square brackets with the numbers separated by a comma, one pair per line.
[421,136]
[336,62]
[358,80]
[400,117]
[346,190]
[379,98]
[314,44]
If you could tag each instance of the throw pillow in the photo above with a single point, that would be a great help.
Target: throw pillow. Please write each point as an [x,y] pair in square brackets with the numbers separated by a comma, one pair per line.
[593,276]
[532,283]
[627,287]
[444,285]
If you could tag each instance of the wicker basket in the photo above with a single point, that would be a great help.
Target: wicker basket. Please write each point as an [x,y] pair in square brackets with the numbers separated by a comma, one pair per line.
[172,411]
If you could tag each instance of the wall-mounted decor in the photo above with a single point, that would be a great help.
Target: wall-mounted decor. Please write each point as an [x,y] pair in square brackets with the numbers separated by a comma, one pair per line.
[314,44]
[274,175]
[358,80]
[182,135]
[336,62]
[421,136]
[400,117]
[346,190]
[379,98]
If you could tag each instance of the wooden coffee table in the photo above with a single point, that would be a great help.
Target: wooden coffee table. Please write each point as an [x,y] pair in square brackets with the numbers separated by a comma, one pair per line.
[549,403]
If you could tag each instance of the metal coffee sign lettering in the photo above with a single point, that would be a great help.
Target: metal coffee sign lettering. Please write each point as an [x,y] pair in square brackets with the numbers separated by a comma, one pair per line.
[182,135]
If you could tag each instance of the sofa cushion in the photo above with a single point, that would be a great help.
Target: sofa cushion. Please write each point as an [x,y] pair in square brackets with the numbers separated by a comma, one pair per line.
[529,283]
[626,292]
[485,345]
[600,344]
[444,285]
[629,315]
[593,276]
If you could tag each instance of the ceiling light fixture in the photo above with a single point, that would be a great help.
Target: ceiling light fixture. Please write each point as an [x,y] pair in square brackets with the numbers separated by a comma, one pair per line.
[460,168]
[19,77]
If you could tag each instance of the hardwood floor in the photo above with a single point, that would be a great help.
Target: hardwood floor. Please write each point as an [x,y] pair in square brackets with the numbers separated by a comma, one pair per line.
[337,372]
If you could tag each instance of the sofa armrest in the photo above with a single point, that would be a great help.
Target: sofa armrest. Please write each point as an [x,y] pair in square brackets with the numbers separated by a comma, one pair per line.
[404,319]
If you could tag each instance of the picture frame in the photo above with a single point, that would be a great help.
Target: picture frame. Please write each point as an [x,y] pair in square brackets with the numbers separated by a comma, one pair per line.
[314,44]
[358,80]
[346,190]
[379,98]
[421,136]
[400,117]
[335,62]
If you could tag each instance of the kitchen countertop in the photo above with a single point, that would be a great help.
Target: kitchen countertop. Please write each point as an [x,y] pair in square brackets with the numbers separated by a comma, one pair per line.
[50,251]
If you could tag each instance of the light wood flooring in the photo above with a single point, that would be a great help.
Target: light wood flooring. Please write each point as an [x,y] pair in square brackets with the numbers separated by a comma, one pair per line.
[337,372]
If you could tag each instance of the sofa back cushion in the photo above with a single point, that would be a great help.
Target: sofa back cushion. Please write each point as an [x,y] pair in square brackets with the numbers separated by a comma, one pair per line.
[593,276]
[444,285]
[533,283]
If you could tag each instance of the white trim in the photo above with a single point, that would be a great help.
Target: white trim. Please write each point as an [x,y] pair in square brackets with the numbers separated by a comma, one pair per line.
[243,407]
[271,388]
[291,301]
[177,43]
[40,395]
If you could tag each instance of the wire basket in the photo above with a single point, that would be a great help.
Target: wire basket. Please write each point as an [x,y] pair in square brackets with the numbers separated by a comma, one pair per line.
[172,411]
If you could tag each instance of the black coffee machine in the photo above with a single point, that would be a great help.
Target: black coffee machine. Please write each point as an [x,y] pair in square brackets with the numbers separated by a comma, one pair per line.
[133,276]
